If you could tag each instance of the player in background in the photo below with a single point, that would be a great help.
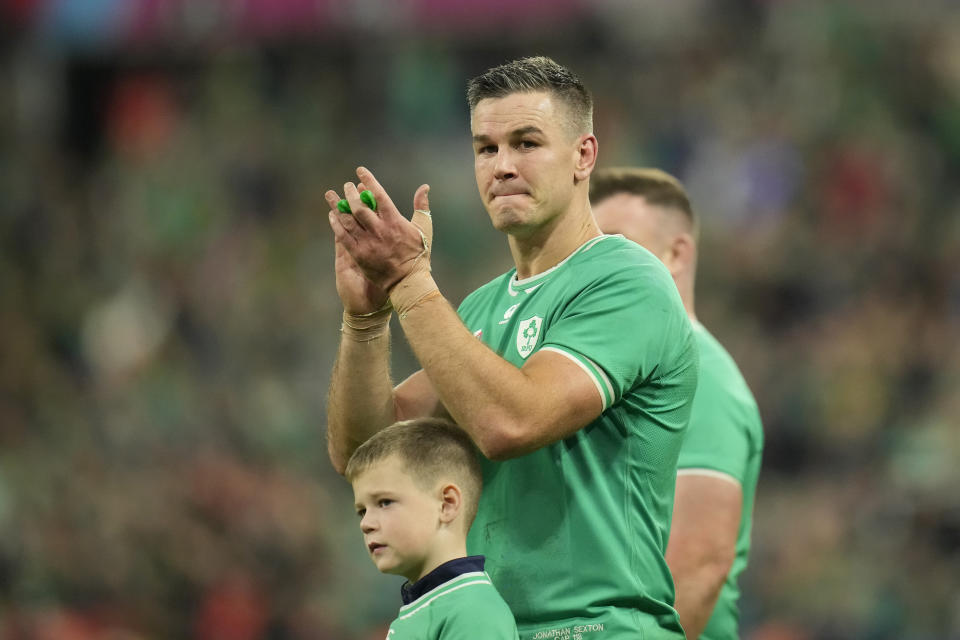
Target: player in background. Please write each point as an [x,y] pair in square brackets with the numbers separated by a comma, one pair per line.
[573,373]
[416,486]
[720,458]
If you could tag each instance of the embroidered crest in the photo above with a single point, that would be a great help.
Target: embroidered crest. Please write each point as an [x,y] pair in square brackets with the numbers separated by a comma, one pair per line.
[527,335]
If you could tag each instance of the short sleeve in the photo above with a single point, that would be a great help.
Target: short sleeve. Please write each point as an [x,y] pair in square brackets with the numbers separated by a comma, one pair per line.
[618,327]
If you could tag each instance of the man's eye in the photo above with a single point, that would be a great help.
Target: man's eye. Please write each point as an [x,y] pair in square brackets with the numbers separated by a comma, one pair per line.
[528,144]
[487,149]
[361,513]
[385,502]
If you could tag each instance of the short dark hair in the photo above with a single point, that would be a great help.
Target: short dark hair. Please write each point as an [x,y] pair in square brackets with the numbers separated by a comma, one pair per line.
[657,187]
[429,449]
[538,73]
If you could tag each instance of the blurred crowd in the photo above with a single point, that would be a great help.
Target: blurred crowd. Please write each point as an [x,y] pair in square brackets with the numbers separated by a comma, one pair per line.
[168,317]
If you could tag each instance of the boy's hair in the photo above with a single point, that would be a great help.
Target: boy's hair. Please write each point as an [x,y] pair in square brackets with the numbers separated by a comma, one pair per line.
[430,450]
[657,187]
[535,74]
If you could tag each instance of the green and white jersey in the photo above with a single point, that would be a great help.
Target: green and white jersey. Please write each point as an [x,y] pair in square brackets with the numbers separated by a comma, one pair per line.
[576,531]
[725,438]
[457,601]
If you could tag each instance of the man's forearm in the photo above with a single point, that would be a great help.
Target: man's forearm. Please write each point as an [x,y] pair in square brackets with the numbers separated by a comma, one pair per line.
[702,545]
[506,410]
[360,401]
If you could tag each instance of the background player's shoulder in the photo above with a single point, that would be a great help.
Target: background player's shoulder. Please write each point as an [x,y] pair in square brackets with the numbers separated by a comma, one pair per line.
[714,357]
[719,369]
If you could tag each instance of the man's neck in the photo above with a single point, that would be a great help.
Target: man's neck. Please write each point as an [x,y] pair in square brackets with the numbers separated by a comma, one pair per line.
[547,247]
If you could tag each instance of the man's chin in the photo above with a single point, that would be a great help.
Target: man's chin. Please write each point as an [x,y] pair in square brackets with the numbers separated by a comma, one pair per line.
[508,217]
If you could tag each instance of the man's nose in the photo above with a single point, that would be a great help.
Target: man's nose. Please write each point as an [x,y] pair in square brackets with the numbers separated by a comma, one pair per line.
[505,167]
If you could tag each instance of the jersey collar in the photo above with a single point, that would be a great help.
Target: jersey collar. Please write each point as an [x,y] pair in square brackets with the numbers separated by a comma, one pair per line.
[529,285]
[444,573]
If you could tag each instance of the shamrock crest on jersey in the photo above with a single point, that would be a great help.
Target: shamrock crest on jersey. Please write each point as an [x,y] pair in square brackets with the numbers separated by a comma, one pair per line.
[527,335]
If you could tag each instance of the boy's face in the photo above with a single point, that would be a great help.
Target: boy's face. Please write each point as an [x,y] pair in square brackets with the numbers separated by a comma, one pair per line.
[399,520]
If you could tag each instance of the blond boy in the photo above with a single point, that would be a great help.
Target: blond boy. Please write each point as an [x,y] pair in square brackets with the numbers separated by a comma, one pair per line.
[416,487]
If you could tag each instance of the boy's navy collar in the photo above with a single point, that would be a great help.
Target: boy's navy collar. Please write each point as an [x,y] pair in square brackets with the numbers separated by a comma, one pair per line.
[444,573]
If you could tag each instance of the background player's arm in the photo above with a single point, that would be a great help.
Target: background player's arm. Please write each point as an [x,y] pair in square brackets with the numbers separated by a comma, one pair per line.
[507,411]
[702,547]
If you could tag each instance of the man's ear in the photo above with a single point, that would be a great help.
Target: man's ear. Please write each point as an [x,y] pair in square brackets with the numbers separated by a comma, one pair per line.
[587,157]
[681,255]
[451,503]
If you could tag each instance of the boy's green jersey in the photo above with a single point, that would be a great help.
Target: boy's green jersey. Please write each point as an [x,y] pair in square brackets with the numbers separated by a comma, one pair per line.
[577,530]
[725,437]
[464,607]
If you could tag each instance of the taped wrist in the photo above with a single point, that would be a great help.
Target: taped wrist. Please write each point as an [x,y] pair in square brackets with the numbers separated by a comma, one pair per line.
[412,291]
[366,326]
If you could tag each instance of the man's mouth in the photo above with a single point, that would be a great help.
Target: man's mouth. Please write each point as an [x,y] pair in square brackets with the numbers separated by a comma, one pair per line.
[497,193]
[372,547]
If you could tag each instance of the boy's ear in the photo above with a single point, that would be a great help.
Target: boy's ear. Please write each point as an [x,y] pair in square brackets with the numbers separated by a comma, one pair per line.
[451,501]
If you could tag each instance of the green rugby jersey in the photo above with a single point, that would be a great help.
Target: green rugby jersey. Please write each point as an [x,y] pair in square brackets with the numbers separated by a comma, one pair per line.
[577,529]
[725,436]
[455,601]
